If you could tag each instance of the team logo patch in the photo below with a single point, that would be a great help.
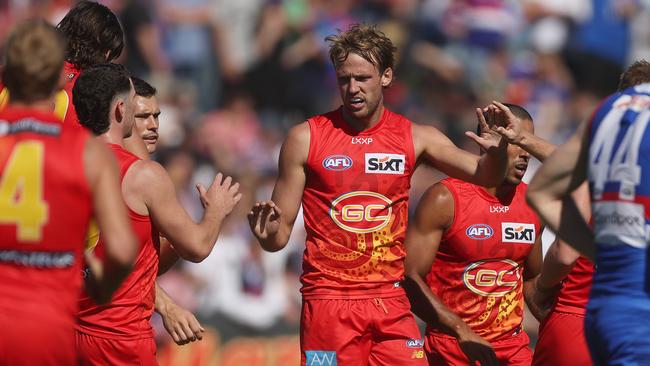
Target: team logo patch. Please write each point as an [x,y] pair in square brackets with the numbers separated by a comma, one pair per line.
[320,358]
[415,343]
[479,232]
[492,278]
[515,232]
[337,162]
[385,163]
[361,211]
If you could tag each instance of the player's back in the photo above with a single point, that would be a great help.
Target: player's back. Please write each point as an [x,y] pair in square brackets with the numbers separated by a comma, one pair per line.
[45,206]
[128,314]
[619,179]
[478,269]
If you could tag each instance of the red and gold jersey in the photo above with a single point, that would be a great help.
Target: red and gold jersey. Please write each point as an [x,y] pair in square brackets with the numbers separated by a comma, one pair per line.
[574,295]
[63,106]
[45,205]
[478,270]
[355,205]
[128,314]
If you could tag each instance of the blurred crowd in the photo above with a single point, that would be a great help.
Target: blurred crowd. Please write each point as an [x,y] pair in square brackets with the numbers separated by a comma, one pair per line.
[233,76]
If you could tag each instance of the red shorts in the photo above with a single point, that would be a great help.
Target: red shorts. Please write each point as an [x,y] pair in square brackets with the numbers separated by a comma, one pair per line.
[372,332]
[562,341]
[96,351]
[36,341]
[444,350]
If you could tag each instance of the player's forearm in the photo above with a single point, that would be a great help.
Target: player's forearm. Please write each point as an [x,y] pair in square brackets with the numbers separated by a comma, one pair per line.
[492,166]
[197,243]
[277,241]
[537,147]
[555,267]
[426,305]
[162,301]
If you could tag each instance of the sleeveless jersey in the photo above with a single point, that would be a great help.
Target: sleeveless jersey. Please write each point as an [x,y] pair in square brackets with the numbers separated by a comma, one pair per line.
[355,205]
[63,106]
[574,294]
[619,180]
[45,206]
[478,270]
[128,314]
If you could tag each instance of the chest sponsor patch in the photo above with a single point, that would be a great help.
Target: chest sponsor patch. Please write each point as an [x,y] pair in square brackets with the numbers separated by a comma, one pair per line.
[337,162]
[516,232]
[378,163]
[479,232]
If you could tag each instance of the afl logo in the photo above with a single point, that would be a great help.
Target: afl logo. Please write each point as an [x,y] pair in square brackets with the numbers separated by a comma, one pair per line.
[479,231]
[337,162]
[361,211]
[492,278]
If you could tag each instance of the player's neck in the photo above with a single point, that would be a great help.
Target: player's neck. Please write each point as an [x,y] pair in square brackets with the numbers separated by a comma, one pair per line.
[44,105]
[114,135]
[365,123]
[502,191]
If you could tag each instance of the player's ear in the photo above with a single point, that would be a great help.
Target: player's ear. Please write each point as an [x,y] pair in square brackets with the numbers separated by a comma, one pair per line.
[119,110]
[387,77]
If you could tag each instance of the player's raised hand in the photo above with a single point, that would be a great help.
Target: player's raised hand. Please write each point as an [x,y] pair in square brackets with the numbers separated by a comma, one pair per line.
[264,219]
[477,349]
[221,196]
[488,138]
[506,123]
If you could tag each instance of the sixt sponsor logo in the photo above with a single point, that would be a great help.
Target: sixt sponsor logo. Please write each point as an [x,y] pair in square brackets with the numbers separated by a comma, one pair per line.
[337,162]
[361,211]
[492,278]
[515,232]
[479,231]
[415,343]
[385,163]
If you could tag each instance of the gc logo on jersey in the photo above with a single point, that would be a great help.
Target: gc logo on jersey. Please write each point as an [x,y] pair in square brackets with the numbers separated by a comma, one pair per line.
[515,232]
[337,162]
[385,163]
[492,278]
[361,211]
[479,231]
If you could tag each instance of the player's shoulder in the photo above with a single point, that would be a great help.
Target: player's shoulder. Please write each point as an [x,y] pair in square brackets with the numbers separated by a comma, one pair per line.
[439,194]
[299,133]
[428,133]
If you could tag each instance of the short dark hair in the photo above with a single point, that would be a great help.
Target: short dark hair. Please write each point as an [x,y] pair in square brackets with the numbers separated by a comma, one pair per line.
[143,88]
[366,41]
[519,112]
[92,32]
[635,74]
[94,92]
[34,61]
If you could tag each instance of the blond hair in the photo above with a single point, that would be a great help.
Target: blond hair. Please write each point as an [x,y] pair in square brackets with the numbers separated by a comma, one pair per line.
[35,52]
[366,41]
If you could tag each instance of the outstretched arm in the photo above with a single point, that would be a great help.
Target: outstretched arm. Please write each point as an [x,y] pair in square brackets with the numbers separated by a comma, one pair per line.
[549,192]
[438,150]
[433,216]
[148,190]
[271,221]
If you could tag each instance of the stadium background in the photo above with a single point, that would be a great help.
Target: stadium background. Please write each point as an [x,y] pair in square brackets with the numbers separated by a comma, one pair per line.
[233,76]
